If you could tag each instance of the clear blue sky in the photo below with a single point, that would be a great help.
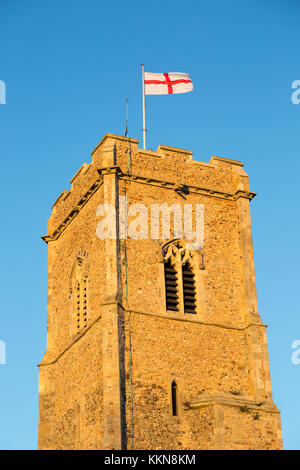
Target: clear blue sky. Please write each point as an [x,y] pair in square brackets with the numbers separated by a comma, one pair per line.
[68,67]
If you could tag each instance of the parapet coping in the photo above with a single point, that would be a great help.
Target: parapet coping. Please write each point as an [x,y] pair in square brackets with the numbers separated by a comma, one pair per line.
[136,141]
[84,166]
[151,153]
[198,162]
[174,149]
[163,147]
[116,137]
[227,160]
[63,196]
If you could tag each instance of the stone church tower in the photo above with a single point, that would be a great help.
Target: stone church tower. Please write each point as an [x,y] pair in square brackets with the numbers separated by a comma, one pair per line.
[153,343]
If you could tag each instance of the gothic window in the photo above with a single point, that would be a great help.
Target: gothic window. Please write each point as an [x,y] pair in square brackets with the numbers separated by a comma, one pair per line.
[78,289]
[174,393]
[180,268]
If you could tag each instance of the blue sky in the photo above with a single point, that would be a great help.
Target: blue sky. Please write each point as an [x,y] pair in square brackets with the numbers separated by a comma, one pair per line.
[68,67]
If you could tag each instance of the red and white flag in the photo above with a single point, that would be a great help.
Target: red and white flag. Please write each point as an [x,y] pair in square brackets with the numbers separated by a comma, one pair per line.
[167,83]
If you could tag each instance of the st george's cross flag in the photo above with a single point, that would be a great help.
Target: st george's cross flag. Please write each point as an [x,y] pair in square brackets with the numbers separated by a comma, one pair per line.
[167,83]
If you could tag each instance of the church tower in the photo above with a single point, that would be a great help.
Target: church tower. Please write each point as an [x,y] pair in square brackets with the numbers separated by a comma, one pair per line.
[154,337]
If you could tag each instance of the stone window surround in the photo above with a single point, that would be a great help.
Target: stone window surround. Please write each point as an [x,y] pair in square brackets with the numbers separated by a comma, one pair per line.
[177,253]
[79,277]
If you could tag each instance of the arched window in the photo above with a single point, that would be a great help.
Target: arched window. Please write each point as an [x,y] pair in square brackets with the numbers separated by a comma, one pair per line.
[174,393]
[180,267]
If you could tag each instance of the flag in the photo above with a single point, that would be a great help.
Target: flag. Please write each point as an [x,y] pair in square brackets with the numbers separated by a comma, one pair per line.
[167,83]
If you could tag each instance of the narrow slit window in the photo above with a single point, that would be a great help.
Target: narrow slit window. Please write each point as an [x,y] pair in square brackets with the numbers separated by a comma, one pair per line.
[189,291]
[174,398]
[171,287]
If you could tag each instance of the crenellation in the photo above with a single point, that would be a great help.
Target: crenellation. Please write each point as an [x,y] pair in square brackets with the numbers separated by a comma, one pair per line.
[215,175]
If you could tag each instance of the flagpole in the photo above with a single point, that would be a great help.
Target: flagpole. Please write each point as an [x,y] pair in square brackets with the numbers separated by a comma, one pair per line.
[144,109]
[126,132]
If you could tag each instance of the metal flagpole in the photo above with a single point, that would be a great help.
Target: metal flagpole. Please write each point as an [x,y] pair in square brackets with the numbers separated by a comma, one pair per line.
[126,132]
[144,110]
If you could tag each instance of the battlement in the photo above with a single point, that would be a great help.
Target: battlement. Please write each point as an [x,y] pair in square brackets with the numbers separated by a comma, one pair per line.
[168,166]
